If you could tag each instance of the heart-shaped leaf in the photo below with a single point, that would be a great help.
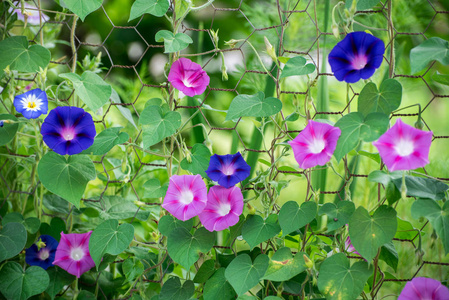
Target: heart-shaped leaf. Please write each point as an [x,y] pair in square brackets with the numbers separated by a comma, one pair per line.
[13,238]
[283,266]
[91,88]
[355,127]
[115,207]
[126,113]
[83,7]
[8,131]
[106,140]
[253,106]
[173,42]
[153,189]
[293,217]
[257,230]
[31,224]
[67,177]
[185,248]
[389,255]
[432,49]
[174,290]
[199,160]
[157,124]
[218,288]
[15,284]
[297,66]
[243,274]
[110,237]
[58,279]
[384,100]
[368,233]
[157,8]
[339,280]
[168,223]
[18,56]
[337,215]
[132,269]
[422,187]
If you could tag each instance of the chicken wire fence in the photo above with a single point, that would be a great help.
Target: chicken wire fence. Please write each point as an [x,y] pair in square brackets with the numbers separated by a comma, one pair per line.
[312,40]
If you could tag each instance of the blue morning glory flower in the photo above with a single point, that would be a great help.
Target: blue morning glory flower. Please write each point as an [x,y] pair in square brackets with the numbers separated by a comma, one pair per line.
[42,253]
[32,104]
[228,170]
[356,57]
[1,123]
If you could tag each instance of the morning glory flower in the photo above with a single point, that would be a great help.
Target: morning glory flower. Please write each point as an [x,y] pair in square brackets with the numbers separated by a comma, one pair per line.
[224,206]
[73,254]
[349,247]
[32,104]
[186,196]
[32,13]
[42,253]
[315,144]
[68,130]
[421,288]
[188,77]
[2,123]
[356,57]
[228,170]
[404,147]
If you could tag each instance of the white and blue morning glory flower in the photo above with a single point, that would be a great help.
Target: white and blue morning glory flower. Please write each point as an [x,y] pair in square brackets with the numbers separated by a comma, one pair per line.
[32,104]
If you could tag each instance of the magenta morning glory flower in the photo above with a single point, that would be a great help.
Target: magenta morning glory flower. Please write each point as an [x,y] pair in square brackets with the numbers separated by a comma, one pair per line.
[188,77]
[421,288]
[224,206]
[32,13]
[404,147]
[356,57]
[228,170]
[42,253]
[186,196]
[315,144]
[349,247]
[32,104]
[68,130]
[73,254]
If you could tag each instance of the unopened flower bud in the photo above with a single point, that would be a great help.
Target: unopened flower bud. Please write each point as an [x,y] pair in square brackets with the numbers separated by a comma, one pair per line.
[231,43]
[270,50]
[139,203]
[189,157]
[155,235]
[419,124]
[335,31]
[215,36]
[251,210]
[307,261]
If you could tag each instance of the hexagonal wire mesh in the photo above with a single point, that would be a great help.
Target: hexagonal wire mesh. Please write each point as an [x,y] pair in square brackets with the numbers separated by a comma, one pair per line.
[281,18]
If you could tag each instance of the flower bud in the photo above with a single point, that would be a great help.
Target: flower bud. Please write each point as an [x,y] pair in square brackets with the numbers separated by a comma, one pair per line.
[335,31]
[251,210]
[139,203]
[308,262]
[215,36]
[231,43]
[270,50]
[419,124]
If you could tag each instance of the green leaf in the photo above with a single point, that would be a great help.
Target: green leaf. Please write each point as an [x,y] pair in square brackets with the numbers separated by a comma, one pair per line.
[243,274]
[91,88]
[337,215]
[405,231]
[338,280]
[384,177]
[106,140]
[15,284]
[13,237]
[218,288]
[441,78]
[257,230]
[8,131]
[157,8]
[181,6]
[206,270]
[422,187]
[132,269]
[293,217]
[18,56]
[297,66]
[366,4]
[153,189]
[437,216]
[368,233]
[432,49]
[185,248]
[283,266]
[200,158]
[355,127]
[31,224]
[126,113]
[389,255]
[67,177]
[54,229]
[173,42]
[253,106]
[83,7]
[58,279]
[167,224]
[110,238]
[173,290]
[158,125]
[86,295]
[115,207]
[384,100]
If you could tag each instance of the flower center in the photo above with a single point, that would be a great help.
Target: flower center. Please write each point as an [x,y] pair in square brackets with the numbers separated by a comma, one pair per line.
[31,102]
[68,134]
[317,146]
[228,170]
[77,254]
[404,147]
[224,209]
[43,254]
[186,82]
[186,197]
[359,62]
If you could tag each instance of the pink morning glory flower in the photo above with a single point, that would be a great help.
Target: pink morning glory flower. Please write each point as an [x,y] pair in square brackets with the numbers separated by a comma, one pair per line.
[32,104]
[186,196]
[42,253]
[68,130]
[356,57]
[73,254]
[188,77]
[349,247]
[228,170]
[32,13]
[315,144]
[421,288]
[404,147]
[224,206]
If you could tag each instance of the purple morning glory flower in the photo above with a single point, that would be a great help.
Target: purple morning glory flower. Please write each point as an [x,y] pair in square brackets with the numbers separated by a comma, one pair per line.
[188,77]
[32,104]
[228,170]
[1,123]
[42,253]
[356,57]
[421,288]
[73,253]
[32,14]
[68,130]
